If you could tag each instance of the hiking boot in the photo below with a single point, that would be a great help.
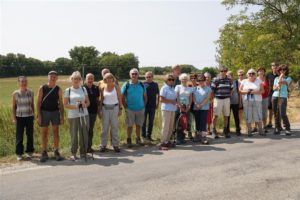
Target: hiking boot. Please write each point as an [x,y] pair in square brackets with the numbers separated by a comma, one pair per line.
[44,157]
[103,149]
[19,157]
[117,149]
[197,137]
[57,155]
[129,143]
[139,142]
[226,133]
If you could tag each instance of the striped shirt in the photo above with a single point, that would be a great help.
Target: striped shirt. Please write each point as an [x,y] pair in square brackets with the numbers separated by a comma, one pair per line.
[24,101]
[222,87]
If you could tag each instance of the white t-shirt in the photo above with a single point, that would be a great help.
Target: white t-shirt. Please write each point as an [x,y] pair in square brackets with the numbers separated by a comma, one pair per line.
[110,98]
[76,95]
[255,86]
[184,93]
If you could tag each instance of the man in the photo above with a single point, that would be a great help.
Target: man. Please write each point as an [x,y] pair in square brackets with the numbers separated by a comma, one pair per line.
[176,71]
[271,77]
[152,104]
[93,93]
[50,109]
[134,99]
[234,104]
[222,89]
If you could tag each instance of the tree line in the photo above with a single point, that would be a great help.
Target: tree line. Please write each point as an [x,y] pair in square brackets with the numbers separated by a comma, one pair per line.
[271,34]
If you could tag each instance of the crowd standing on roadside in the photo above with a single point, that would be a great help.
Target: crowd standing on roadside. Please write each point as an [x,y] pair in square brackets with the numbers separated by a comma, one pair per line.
[189,103]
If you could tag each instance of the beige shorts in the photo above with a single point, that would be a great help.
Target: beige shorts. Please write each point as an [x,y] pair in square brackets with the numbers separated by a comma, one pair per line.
[222,105]
[134,117]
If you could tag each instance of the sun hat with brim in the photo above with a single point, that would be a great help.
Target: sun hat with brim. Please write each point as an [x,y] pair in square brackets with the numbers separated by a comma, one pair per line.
[52,72]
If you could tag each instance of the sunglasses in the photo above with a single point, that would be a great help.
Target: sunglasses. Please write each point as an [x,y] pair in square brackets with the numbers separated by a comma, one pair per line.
[223,71]
[241,74]
[251,74]
[148,76]
[283,70]
[134,74]
[170,79]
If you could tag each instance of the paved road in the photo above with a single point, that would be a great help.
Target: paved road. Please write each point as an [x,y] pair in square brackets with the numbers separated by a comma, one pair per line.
[238,168]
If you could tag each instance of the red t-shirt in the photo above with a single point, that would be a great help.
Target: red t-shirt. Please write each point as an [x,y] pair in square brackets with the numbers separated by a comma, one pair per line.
[265,84]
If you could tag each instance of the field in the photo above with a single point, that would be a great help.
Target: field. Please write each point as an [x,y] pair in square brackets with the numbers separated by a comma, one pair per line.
[7,128]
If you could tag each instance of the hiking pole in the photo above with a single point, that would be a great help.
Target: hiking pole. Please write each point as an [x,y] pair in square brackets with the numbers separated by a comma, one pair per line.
[81,126]
[85,126]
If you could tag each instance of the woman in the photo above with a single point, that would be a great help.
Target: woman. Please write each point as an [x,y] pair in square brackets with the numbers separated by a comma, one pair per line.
[168,108]
[251,89]
[23,114]
[109,110]
[211,106]
[202,97]
[184,96]
[76,100]
[193,86]
[279,100]
[241,77]
[265,100]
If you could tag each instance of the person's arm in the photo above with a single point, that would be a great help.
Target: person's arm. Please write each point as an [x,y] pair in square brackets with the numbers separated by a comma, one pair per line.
[276,84]
[145,98]
[32,104]
[86,99]
[190,101]
[38,105]
[67,101]
[14,107]
[123,96]
[100,102]
[157,96]
[61,106]
[119,99]
[205,100]
[241,89]
[260,91]
[164,100]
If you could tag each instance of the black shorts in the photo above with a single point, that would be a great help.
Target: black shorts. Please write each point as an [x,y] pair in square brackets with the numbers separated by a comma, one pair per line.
[50,116]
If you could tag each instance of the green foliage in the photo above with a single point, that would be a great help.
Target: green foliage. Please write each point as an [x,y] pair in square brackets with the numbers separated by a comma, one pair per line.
[257,39]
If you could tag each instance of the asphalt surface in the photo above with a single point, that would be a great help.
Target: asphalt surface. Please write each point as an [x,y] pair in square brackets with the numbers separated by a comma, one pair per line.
[237,168]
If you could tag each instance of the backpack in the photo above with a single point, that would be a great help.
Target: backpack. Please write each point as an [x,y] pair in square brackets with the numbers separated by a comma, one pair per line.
[127,86]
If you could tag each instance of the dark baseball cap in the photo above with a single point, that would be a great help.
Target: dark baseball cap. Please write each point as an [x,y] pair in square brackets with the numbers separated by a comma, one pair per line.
[52,72]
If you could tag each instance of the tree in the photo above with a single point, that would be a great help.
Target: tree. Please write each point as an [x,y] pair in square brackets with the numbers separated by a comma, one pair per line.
[84,56]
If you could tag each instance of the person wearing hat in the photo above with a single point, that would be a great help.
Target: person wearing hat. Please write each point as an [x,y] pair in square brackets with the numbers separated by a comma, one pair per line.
[252,89]
[50,109]
[271,77]
[201,99]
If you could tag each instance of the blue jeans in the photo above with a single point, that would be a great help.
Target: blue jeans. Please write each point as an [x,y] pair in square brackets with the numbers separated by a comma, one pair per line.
[200,118]
[151,113]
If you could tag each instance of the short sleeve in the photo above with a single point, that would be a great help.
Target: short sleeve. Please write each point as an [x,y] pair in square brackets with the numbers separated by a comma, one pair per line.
[66,94]
[276,81]
[289,80]
[163,92]
[177,88]
[123,88]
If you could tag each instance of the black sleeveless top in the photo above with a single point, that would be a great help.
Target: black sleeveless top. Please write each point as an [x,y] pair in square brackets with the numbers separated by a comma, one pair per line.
[51,102]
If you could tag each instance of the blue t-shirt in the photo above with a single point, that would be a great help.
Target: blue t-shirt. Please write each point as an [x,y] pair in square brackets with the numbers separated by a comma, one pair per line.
[168,93]
[134,95]
[200,95]
[284,88]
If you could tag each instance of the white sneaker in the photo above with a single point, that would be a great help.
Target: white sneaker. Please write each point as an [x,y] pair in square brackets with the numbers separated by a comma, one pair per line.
[29,155]
[19,157]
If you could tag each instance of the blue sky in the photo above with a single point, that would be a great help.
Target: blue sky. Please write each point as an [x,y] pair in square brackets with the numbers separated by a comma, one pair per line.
[160,33]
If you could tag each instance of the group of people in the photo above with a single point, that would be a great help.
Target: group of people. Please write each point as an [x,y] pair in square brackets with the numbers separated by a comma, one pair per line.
[256,95]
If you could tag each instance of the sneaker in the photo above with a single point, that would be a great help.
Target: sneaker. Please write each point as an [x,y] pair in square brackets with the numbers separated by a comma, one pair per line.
[205,141]
[29,155]
[139,142]
[265,129]
[117,149]
[226,133]
[73,158]
[57,155]
[163,147]
[197,137]
[129,144]
[238,133]
[103,149]
[44,157]
[19,157]
[150,139]
[215,133]
[288,132]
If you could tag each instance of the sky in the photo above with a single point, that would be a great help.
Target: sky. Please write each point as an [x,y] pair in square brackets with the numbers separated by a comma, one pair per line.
[159,33]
